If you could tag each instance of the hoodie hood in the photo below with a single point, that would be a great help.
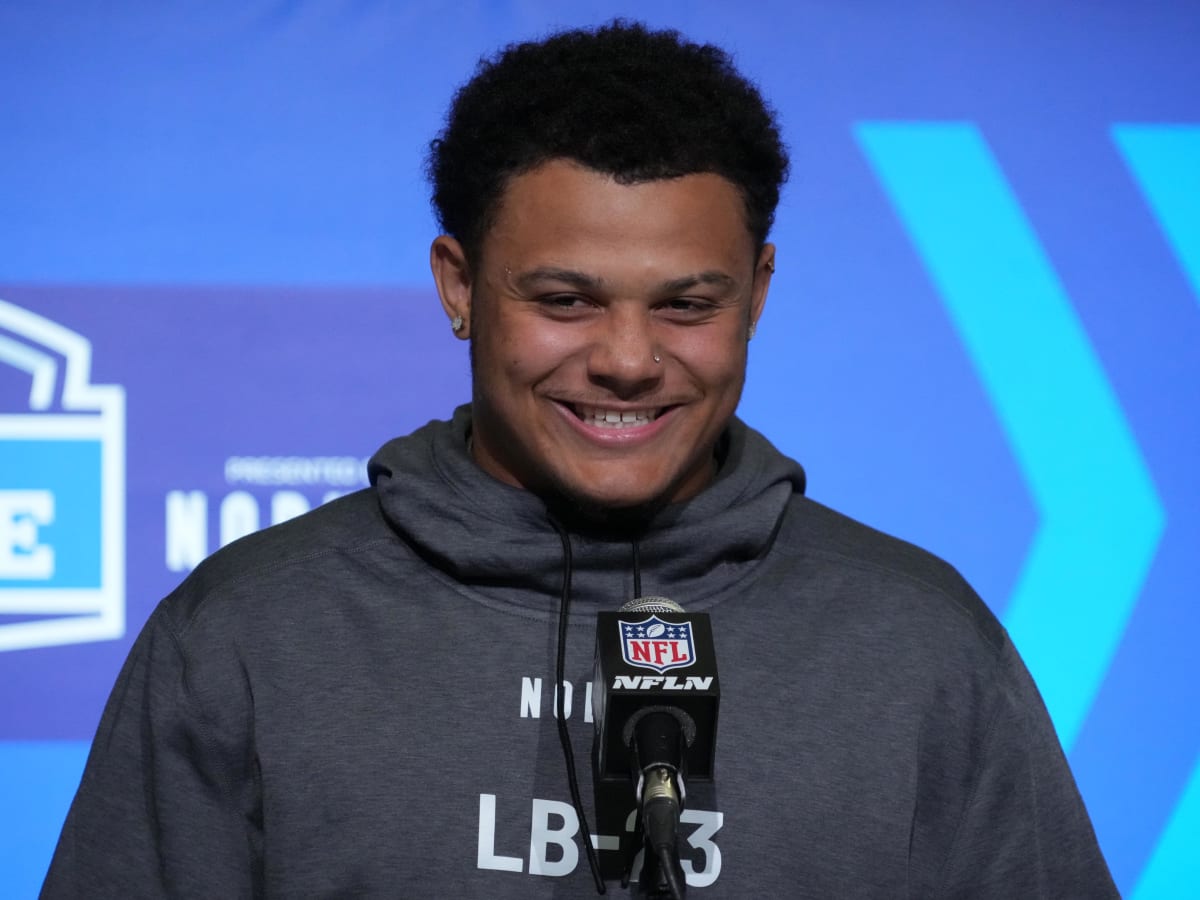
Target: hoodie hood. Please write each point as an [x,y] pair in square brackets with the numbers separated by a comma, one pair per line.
[499,540]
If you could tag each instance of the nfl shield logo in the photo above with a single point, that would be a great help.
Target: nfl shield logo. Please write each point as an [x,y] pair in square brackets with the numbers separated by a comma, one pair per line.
[658,645]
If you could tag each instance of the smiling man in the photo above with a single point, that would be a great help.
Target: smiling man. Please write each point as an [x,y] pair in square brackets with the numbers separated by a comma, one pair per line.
[608,325]
[362,701]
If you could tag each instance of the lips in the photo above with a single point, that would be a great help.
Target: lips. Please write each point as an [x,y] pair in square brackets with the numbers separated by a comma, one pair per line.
[602,417]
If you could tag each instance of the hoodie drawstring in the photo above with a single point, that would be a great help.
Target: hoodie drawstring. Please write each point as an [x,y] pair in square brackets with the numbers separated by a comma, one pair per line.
[637,571]
[560,710]
[559,693]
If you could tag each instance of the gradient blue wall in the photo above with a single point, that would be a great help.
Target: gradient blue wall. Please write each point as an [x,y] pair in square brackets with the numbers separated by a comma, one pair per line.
[984,334]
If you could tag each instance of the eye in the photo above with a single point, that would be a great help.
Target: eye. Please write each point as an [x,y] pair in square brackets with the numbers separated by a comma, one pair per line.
[564,305]
[563,301]
[687,309]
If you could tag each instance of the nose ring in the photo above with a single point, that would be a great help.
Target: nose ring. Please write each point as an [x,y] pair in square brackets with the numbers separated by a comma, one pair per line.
[657,358]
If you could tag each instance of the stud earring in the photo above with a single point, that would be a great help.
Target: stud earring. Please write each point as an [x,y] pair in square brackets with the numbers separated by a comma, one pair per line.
[456,324]
[769,265]
[750,333]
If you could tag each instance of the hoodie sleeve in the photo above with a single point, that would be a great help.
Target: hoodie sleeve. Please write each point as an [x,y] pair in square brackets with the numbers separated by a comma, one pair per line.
[169,800]
[1024,831]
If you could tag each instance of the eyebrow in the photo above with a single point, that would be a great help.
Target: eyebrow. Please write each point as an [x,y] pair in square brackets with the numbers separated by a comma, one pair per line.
[589,282]
[711,277]
[552,273]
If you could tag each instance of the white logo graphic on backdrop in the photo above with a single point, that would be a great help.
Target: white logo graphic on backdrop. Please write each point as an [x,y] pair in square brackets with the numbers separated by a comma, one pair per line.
[62,492]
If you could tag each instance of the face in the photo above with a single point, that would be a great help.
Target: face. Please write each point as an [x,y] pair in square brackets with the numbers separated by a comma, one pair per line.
[609,325]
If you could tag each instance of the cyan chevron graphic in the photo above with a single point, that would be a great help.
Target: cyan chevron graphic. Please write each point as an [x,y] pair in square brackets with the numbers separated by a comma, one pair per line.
[1099,515]
[1174,869]
[1165,160]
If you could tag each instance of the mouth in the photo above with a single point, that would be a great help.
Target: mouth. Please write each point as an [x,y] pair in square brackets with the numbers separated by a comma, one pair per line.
[603,417]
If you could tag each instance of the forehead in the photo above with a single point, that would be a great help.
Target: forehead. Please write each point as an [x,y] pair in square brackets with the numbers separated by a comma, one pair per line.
[565,208]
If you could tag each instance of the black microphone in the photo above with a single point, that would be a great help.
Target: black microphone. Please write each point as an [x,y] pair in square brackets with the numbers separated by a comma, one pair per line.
[655,696]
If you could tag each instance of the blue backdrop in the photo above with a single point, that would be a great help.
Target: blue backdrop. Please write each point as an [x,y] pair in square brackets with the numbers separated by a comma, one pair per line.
[983,335]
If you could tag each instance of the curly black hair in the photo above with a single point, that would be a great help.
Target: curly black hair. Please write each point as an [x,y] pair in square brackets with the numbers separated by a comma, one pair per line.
[640,105]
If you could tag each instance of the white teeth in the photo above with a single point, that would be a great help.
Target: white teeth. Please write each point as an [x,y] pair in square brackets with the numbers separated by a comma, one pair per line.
[611,418]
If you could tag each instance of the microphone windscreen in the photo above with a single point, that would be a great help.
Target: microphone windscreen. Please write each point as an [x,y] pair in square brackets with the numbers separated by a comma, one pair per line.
[651,605]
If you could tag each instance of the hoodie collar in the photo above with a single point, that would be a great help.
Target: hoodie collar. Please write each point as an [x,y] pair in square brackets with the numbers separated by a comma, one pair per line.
[498,540]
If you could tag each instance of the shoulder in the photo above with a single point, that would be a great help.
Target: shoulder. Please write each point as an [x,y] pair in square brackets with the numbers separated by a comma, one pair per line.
[888,615]
[285,564]
[886,576]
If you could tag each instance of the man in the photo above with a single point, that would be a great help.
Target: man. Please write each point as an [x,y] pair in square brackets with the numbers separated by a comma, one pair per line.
[359,702]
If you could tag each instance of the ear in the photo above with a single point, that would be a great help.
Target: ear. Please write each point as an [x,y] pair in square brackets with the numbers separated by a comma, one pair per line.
[452,275]
[763,270]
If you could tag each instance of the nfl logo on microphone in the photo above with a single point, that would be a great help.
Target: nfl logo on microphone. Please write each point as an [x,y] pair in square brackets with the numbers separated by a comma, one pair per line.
[658,645]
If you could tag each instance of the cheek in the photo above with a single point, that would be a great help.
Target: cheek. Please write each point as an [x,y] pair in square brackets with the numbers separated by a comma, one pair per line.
[518,361]
[529,354]
[716,359]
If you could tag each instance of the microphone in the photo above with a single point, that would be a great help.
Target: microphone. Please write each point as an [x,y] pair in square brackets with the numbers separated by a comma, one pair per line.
[655,696]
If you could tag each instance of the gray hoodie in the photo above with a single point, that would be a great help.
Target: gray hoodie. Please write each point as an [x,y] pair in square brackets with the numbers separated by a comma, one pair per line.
[360,702]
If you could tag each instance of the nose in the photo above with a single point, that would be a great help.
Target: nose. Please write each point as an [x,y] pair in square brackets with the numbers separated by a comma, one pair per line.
[622,354]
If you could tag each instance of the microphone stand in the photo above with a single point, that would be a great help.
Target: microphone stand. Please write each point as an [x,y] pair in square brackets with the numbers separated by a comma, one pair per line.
[659,749]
